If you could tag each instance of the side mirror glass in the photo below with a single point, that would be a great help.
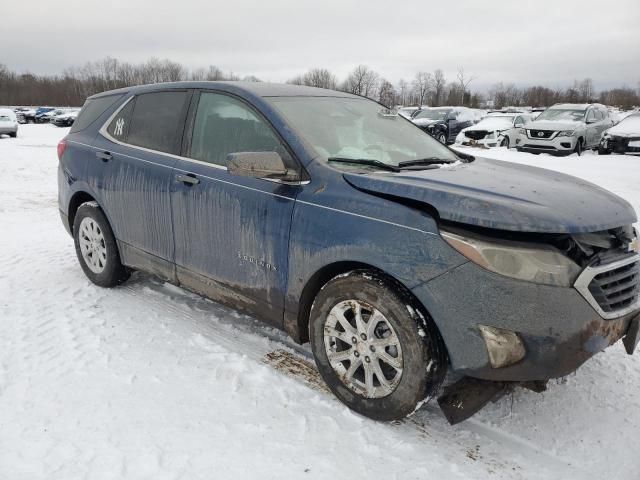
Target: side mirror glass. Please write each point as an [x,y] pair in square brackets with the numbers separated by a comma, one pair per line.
[257,165]
[519,125]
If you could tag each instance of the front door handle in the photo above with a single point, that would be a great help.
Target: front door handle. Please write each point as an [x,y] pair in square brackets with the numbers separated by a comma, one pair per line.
[104,156]
[188,179]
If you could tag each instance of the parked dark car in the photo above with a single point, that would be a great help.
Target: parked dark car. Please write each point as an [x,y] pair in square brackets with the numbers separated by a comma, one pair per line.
[443,123]
[330,217]
[623,138]
[65,119]
[35,116]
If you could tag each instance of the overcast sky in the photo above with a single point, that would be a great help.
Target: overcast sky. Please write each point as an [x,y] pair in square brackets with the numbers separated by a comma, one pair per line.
[525,42]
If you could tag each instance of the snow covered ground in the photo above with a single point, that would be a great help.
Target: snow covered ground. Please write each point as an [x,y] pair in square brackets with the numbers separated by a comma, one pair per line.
[149,381]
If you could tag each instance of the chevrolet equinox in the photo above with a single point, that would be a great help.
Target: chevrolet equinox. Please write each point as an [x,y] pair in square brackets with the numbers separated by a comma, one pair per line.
[341,222]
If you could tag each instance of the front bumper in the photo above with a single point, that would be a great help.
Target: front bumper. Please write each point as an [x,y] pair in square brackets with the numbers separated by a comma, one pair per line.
[559,328]
[554,145]
[615,144]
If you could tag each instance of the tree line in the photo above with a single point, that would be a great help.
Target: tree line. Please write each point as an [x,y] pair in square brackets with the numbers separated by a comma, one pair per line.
[74,84]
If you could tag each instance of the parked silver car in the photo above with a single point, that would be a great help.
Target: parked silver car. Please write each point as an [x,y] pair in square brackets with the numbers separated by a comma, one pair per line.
[565,128]
[8,122]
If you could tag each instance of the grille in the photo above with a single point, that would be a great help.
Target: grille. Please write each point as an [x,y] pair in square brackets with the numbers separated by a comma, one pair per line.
[616,289]
[540,133]
[476,134]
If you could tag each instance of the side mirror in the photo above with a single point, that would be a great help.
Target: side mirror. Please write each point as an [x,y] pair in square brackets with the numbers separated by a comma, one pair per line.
[519,125]
[591,120]
[257,165]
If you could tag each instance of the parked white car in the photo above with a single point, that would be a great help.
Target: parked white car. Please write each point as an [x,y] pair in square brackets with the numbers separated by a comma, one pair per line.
[8,122]
[494,130]
[565,128]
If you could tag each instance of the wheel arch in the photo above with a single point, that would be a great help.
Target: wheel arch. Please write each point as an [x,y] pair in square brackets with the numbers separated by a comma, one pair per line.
[77,199]
[299,329]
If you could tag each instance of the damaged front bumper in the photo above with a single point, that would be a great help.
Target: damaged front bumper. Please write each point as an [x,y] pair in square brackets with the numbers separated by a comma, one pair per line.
[535,332]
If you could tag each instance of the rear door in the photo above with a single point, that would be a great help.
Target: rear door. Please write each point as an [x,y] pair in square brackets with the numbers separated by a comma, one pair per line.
[231,233]
[132,174]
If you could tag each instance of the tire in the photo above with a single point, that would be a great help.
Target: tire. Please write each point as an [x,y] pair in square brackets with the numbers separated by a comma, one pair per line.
[579,147]
[603,151]
[412,342]
[505,142]
[93,235]
[13,135]
[442,138]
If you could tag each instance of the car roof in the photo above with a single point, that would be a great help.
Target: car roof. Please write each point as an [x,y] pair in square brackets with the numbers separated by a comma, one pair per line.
[575,106]
[260,89]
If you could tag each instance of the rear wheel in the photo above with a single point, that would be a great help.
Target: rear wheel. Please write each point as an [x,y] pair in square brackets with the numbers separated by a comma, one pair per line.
[96,247]
[375,350]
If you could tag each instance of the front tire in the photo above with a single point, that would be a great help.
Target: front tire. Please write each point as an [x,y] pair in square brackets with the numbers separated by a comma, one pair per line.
[374,348]
[96,247]
[505,142]
[442,138]
[579,147]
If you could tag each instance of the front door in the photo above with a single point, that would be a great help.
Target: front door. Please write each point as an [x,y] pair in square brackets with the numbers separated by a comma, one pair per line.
[231,233]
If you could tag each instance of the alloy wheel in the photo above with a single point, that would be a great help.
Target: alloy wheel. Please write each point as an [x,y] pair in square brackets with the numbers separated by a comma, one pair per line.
[92,245]
[363,349]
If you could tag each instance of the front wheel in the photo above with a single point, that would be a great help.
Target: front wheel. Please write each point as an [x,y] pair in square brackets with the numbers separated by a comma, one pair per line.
[505,142]
[375,349]
[96,247]
[442,138]
[579,147]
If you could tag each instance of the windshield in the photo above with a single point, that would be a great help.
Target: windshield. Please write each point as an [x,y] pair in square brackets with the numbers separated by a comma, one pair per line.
[494,123]
[432,114]
[359,129]
[561,114]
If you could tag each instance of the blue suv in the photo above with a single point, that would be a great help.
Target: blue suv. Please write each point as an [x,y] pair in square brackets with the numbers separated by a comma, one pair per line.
[344,224]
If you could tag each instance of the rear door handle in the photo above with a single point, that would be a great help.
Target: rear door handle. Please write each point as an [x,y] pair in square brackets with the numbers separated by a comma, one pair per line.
[104,156]
[188,179]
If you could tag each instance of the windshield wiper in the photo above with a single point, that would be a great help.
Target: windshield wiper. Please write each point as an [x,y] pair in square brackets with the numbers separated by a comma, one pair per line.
[365,161]
[423,161]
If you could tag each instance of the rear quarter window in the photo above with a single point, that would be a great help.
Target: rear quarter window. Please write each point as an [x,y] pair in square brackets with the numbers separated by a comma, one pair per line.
[91,110]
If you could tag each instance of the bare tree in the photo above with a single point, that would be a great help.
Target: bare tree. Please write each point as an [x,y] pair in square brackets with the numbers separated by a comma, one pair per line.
[439,84]
[316,77]
[403,90]
[361,81]
[422,85]
[464,82]
[387,93]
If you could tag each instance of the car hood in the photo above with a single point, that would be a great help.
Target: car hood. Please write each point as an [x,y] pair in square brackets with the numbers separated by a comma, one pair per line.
[556,125]
[505,196]
[630,127]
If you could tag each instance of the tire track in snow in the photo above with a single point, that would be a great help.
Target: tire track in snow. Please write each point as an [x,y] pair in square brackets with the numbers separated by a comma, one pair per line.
[258,342]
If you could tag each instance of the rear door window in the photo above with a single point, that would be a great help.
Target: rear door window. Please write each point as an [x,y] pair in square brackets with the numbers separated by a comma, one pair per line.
[91,110]
[225,125]
[157,120]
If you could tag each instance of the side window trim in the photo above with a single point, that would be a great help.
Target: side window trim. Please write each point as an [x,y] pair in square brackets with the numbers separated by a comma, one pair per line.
[179,136]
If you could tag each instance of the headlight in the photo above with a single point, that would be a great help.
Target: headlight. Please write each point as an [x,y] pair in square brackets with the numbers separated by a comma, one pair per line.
[566,133]
[533,263]
[522,131]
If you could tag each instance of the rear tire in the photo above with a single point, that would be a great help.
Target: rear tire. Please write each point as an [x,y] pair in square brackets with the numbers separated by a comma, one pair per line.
[96,247]
[382,370]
